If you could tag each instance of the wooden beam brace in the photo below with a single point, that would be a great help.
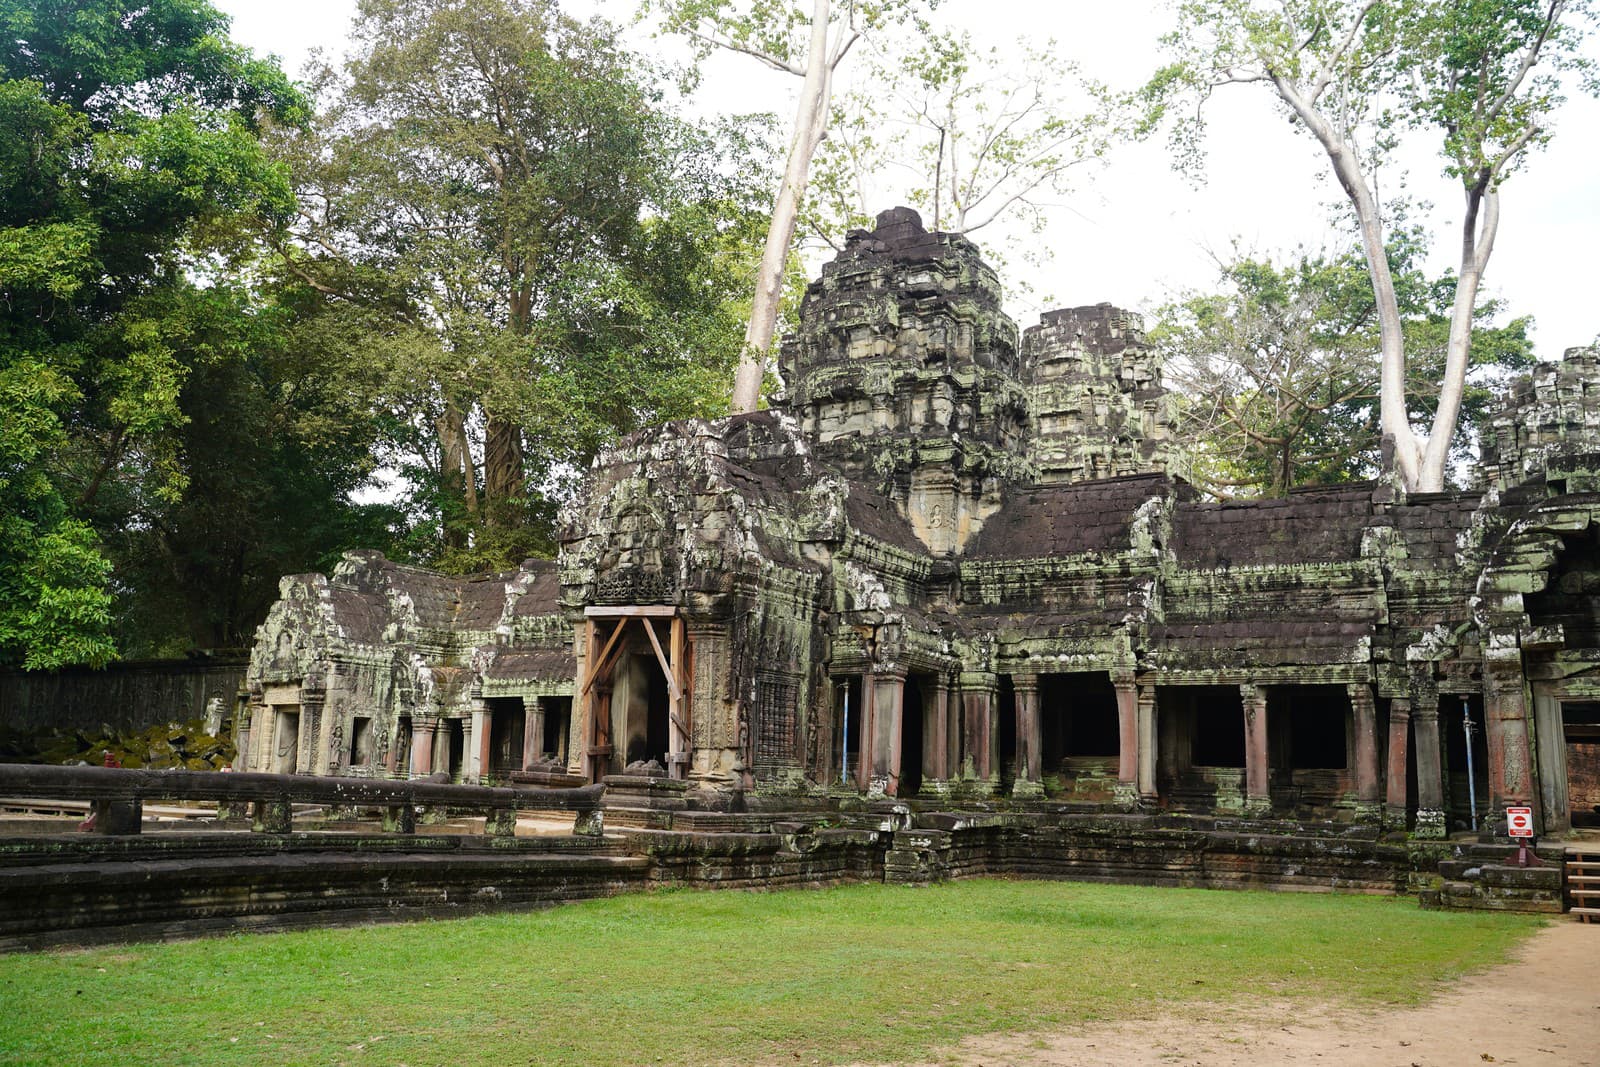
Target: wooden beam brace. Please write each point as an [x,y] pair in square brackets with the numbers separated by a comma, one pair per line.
[661,658]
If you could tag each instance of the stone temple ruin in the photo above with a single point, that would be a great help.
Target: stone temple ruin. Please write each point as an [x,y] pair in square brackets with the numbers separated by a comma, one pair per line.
[959,565]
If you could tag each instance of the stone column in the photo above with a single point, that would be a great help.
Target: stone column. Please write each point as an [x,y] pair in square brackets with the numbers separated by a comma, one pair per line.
[532,730]
[1028,784]
[311,758]
[867,739]
[1257,781]
[713,709]
[888,705]
[423,728]
[1364,724]
[978,700]
[1431,820]
[477,740]
[1505,720]
[1394,808]
[951,697]
[1127,788]
[1554,795]
[936,732]
[1147,744]
[252,720]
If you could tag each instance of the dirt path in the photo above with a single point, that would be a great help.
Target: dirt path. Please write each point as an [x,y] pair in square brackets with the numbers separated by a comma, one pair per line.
[1542,1008]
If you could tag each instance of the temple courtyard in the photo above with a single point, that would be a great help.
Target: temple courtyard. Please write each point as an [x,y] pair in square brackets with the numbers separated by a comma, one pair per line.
[981,971]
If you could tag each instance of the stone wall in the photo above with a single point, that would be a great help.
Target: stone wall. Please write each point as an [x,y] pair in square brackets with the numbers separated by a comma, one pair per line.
[127,697]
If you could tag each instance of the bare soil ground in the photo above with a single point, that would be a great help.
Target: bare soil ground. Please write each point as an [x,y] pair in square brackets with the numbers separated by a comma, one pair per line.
[1542,1008]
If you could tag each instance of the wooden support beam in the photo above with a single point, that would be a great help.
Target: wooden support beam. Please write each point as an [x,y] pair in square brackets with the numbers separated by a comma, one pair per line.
[655,611]
[661,658]
[603,660]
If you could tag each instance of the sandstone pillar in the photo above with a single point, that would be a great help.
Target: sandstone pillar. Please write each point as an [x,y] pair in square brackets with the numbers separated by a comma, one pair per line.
[1147,743]
[1395,803]
[936,732]
[1028,783]
[1364,725]
[869,731]
[1430,763]
[479,754]
[1127,788]
[252,719]
[1257,780]
[888,706]
[951,697]
[1505,719]
[423,729]
[532,730]
[1554,792]
[978,704]
[713,708]
[312,758]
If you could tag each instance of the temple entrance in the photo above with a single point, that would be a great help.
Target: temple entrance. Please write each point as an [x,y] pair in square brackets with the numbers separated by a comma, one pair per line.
[634,690]
[1007,739]
[455,740]
[642,698]
[913,711]
[1079,733]
[1454,712]
[557,727]
[1580,729]
[507,721]
[286,739]
[1308,744]
[1201,746]
[844,757]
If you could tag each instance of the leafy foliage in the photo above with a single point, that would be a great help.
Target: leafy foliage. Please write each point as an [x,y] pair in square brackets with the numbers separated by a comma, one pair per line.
[126,132]
[1484,77]
[1278,370]
[548,258]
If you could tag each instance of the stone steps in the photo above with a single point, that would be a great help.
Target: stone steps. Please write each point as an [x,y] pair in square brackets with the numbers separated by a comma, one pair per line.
[1583,882]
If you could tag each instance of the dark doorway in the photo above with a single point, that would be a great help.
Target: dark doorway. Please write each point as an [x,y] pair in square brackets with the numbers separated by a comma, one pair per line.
[456,740]
[1580,728]
[1008,734]
[557,727]
[1080,735]
[507,721]
[1307,726]
[912,731]
[657,723]
[1217,737]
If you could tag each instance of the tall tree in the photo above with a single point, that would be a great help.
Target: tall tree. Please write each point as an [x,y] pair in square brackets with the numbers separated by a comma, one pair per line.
[1278,369]
[553,252]
[126,132]
[811,47]
[1481,76]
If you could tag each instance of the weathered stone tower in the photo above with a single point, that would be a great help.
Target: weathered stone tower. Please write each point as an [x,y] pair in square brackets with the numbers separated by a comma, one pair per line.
[904,374]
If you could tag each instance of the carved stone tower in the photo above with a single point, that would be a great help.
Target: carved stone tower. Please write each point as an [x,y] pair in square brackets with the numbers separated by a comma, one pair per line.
[904,373]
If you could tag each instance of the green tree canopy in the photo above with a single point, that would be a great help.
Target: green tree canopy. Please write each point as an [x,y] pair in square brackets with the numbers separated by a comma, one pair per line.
[545,255]
[1278,369]
[127,132]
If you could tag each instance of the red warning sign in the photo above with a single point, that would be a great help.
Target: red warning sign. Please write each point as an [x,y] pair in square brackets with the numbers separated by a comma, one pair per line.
[1519,822]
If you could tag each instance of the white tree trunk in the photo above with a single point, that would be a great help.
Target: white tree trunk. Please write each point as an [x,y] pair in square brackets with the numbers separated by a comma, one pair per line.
[810,124]
[1476,245]
[1392,418]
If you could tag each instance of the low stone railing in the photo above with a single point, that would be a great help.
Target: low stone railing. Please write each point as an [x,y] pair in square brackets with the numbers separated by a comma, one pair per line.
[118,796]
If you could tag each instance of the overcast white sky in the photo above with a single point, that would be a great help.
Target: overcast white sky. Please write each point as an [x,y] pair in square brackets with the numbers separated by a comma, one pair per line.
[1136,233]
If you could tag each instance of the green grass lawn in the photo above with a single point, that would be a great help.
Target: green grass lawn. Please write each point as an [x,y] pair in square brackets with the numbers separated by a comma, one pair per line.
[859,972]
